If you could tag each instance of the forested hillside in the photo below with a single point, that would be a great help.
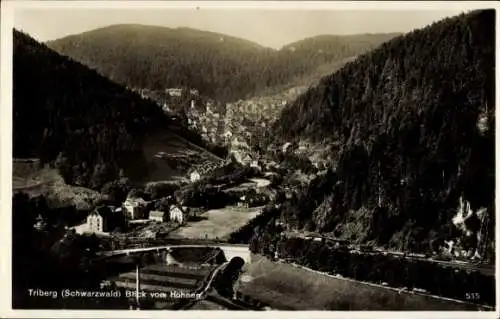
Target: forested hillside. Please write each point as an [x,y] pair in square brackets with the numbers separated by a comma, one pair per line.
[335,47]
[72,117]
[219,66]
[415,119]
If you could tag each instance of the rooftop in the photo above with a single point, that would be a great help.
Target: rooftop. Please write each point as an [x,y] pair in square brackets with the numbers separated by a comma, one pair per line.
[102,210]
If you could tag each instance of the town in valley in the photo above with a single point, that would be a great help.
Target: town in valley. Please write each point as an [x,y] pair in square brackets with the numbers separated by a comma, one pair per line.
[165,167]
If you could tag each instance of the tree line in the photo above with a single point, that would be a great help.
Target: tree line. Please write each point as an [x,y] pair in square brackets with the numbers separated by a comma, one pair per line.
[395,271]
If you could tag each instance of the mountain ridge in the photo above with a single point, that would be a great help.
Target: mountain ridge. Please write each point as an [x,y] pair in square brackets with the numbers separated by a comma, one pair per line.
[222,67]
[187,31]
[413,121]
[318,37]
[321,38]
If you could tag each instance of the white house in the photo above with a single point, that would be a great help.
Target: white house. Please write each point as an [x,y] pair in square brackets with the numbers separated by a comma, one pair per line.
[255,164]
[243,202]
[194,176]
[286,146]
[174,92]
[135,208]
[104,219]
[97,220]
[177,214]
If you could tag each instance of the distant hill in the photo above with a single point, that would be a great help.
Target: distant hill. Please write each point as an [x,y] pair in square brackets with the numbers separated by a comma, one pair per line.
[238,123]
[74,118]
[412,123]
[337,47]
[219,66]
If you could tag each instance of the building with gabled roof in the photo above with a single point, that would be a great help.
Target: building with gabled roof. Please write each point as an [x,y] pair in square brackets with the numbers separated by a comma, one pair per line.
[104,219]
[135,208]
[179,214]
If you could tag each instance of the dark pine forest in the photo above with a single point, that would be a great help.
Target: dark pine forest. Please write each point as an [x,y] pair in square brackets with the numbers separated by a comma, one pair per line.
[222,67]
[415,118]
[75,119]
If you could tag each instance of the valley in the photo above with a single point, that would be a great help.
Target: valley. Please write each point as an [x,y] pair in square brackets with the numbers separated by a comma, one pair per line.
[336,173]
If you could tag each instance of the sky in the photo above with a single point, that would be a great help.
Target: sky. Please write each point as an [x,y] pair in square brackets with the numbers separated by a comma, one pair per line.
[269,27]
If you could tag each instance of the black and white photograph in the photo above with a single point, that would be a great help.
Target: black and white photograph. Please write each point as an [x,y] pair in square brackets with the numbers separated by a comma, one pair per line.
[236,156]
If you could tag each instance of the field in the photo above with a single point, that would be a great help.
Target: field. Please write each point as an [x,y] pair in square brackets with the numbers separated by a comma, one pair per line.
[25,174]
[286,287]
[169,157]
[46,181]
[217,223]
[252,183]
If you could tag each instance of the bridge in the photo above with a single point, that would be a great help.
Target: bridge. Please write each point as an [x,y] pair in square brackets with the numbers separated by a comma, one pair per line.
[204,292]
[230,250]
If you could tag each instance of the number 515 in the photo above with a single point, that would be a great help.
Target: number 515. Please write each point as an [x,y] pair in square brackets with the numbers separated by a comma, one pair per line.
[472,296]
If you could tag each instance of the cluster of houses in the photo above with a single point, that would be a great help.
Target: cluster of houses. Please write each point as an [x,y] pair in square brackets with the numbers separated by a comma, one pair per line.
[208,120]
[222,124]
[253,200]
[197,172]
[167,99]
[107,218]
[249,118]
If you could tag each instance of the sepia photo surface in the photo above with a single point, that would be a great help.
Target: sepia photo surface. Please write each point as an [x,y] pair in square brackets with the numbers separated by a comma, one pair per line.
[264,157]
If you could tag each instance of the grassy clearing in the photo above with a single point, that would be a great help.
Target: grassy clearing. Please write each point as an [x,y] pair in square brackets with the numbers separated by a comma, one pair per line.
[176,152]
[284,286]
[48,182]
[28,176]
[217,223]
